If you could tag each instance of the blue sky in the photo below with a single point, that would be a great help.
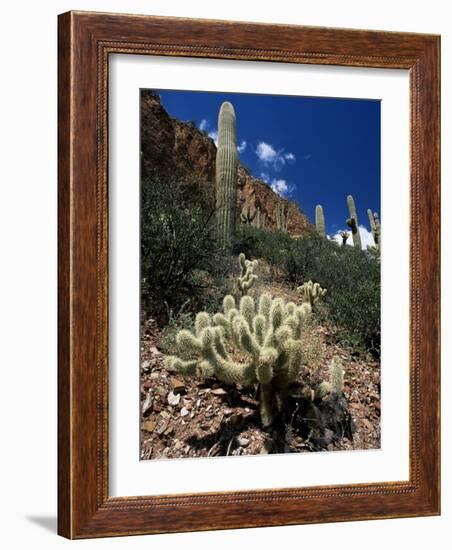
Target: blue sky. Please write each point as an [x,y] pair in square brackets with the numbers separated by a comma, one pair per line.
[311,150]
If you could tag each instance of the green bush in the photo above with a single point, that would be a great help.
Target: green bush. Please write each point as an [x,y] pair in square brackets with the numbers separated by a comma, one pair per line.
[181,263]
[352,278]
[272,246]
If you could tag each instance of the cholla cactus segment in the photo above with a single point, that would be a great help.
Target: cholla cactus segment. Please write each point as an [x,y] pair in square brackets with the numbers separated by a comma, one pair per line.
[311,292]
[264,332]
[335,383]
[353,223]
[320,220]
[247,276]
[375,227]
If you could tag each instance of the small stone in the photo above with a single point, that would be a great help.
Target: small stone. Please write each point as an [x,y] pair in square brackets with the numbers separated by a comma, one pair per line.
[154,375]
[235,419]
[162,426]
[161,391]
[149,426]
[228,411]
[165,414]
[146,366]
[184,411]
[173,399]
[147,384]
[243,441]
[147,404]
[178,385]
[219,391]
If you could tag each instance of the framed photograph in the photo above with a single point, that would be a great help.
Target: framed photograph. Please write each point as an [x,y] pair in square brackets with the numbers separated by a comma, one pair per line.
[248,275]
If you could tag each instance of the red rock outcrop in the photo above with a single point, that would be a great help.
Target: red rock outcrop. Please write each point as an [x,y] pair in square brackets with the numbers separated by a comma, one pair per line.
[171,148]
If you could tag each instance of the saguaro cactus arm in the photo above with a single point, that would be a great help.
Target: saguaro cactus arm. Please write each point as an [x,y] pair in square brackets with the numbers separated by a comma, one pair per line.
[226,174]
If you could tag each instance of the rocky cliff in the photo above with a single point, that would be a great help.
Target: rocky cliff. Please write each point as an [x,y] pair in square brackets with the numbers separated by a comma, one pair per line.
[171,148]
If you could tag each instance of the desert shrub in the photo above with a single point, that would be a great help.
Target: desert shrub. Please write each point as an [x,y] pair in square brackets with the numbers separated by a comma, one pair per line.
[176,322]
[352,278]
[181,264]
[272,246]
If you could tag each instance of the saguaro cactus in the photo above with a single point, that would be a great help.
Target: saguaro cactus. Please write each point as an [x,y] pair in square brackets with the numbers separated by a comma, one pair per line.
[375,227]
[226,174]
[344,236]
[258,218]
[247,214]
[353,223]
[320,220]
[281,216]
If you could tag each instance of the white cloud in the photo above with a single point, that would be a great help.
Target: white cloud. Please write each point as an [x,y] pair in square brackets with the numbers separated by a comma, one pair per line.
[241,148]
[203,125]
[265,176]
[266,153]
[281,187]
[366,237]
[214,135]
[269,156]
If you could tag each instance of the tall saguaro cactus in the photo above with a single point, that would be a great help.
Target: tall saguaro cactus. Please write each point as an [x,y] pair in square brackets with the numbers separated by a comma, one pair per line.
[281,215]
[353,223]
[226,174]
[320,220]
[375,227]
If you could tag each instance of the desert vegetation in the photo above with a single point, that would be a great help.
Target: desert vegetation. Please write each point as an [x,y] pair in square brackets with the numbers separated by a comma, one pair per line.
[254,340]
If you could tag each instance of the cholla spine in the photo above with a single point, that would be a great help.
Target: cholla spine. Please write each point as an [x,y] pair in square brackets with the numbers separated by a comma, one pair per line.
[226,174]
[311,293]
[268,331]
[375,227]
[247,276]
[320,220]
[353,223]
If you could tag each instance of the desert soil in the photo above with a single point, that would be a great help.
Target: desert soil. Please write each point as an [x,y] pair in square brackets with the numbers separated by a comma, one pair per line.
[186,417]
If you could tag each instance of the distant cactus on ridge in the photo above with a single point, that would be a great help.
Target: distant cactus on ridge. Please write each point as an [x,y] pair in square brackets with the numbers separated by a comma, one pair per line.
[353,223]
[320,220]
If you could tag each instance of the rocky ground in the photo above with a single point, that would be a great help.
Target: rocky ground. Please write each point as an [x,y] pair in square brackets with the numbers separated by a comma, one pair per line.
[186,417]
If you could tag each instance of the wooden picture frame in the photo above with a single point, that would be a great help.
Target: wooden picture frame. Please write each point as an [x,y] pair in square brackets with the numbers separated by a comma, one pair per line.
[86,40]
